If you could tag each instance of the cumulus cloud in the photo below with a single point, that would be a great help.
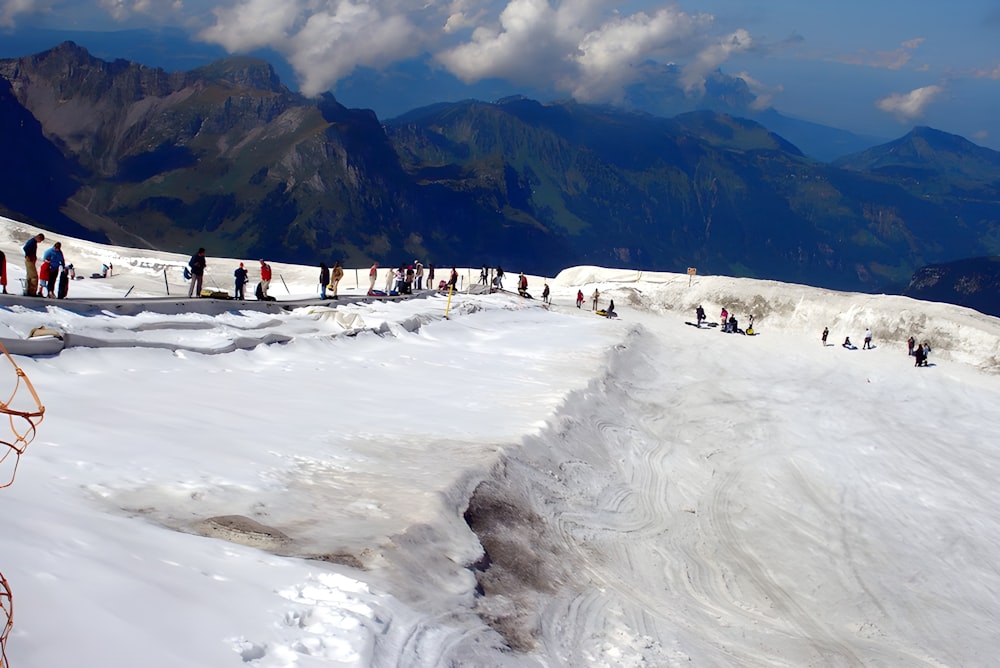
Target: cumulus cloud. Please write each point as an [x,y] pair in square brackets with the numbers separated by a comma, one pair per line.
[324,42]
[713,56]
[580,47]
[908,106]
[590,49]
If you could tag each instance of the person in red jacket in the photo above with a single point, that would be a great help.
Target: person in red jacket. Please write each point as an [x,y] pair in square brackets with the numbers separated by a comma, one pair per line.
[265,278]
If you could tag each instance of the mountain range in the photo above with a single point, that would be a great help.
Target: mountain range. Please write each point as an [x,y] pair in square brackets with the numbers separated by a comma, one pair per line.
[226,157]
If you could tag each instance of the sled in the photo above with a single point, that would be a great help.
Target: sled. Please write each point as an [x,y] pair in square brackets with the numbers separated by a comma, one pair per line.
[215,294]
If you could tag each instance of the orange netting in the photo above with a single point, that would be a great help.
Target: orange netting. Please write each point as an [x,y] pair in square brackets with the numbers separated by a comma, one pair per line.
[24,422]
[6,617]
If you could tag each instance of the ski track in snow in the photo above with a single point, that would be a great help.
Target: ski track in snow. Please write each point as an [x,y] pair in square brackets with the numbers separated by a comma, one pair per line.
[636,488]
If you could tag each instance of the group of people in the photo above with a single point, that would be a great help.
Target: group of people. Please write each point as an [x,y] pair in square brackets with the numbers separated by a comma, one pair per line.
[920,352]
[727,320]
[51,278]
[195,273]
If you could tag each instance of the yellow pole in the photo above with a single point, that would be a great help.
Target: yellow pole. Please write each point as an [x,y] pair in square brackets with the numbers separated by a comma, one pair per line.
[451,288]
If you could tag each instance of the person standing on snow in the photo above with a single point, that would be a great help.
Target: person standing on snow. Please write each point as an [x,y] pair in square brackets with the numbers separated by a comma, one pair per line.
[336,274]
[699,314]
[241,276]
[826,333]
[545,295]
[910,342]
[56,261]
[868,340]
[197,263]
[522,284]
[372,277]
[596,297]
[265,278]
[324,278]
[30,249]
[419,275]
[579,298]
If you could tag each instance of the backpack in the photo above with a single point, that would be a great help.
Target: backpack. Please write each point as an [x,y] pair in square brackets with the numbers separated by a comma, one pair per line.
[187,274]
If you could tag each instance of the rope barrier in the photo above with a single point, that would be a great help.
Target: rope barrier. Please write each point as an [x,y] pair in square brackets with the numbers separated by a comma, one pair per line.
[6,618]
[23,434]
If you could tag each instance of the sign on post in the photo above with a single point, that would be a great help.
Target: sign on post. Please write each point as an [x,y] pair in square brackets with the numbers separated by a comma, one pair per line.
[691,272]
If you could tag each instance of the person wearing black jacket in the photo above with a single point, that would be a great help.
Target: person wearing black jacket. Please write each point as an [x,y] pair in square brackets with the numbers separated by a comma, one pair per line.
[197,263]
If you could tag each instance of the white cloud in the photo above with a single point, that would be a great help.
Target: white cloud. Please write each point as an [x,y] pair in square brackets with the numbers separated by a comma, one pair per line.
[253,24]
[590,49]
[10,9]
[331,44]
[907,106]
[579,47]
[711,57]
[323,43]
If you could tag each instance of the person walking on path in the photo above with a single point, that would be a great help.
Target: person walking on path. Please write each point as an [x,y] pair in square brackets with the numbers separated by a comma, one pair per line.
[336,274]
[595,298]
[30,263]
[372,277]
[868,340]
[324,278]
[197,263]
[54,257]
[826,333]
[265,278]
[241,277]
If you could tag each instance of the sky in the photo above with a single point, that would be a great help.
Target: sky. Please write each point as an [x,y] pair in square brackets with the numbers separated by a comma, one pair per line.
[216,484]
[876,69]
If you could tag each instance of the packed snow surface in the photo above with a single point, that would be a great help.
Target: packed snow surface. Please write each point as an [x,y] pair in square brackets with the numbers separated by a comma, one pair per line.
[483,481]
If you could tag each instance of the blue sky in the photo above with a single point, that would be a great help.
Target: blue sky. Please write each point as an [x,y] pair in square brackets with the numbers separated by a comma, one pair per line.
[876,68]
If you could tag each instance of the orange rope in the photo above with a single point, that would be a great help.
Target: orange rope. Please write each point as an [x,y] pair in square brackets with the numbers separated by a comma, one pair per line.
[6,618]
[23,432]
[23,435]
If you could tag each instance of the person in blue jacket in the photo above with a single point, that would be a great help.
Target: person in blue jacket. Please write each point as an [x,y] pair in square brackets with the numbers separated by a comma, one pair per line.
[54,256]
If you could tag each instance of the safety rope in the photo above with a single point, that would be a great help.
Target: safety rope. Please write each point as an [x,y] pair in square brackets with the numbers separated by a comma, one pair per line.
[6,618]
[23,423]
[24,426]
